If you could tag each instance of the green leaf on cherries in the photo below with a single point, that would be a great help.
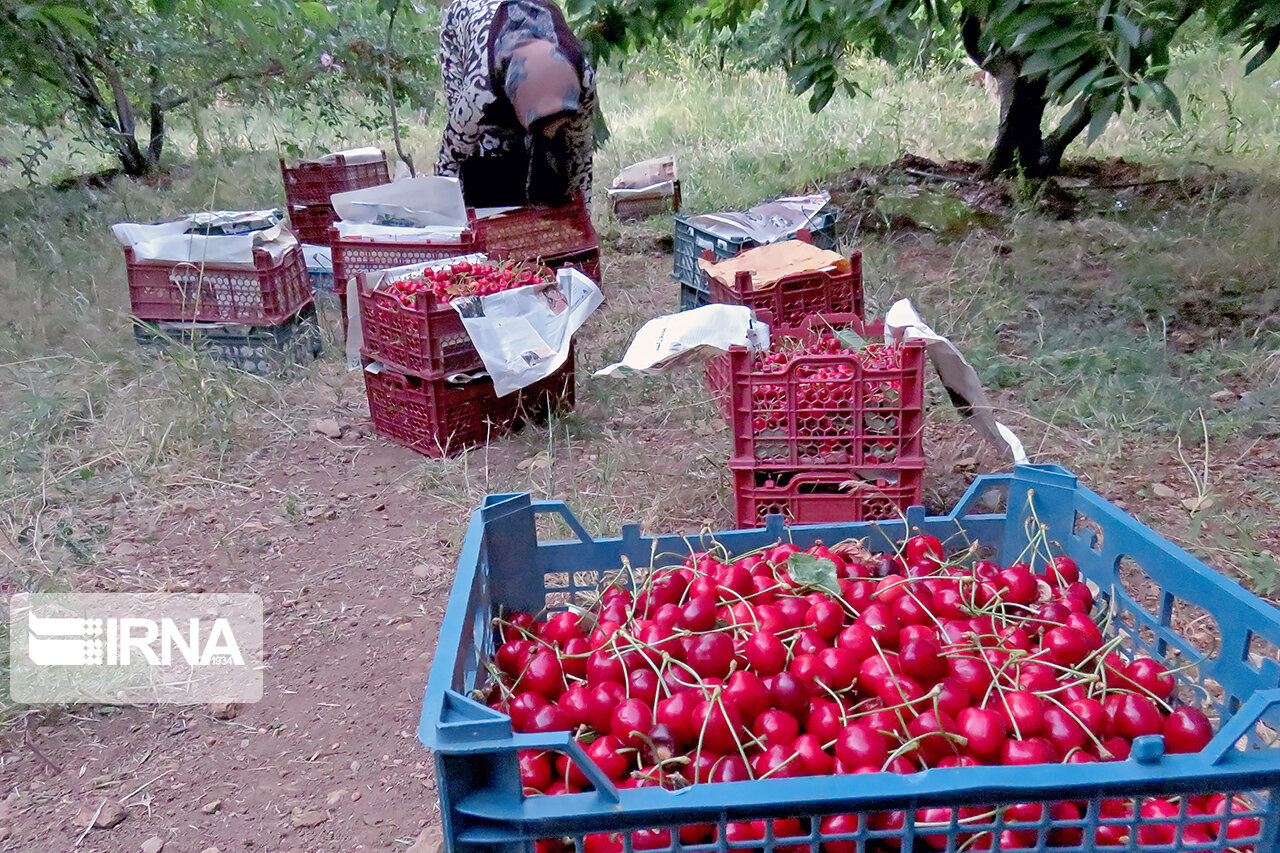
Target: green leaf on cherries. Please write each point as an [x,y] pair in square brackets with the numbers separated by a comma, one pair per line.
[817,572]
[850,339]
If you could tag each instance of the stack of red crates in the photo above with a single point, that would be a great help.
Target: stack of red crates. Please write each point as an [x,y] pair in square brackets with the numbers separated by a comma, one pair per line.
[190,300]
[827,437]
[412,354]
[309,186]
[819,438]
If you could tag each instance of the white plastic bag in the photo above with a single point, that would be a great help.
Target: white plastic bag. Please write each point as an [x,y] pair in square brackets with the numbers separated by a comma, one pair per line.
[175,241]
[431,200]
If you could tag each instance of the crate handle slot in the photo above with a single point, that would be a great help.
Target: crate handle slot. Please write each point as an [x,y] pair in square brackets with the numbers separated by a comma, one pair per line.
[1222,747]
[561,509]
[463,719]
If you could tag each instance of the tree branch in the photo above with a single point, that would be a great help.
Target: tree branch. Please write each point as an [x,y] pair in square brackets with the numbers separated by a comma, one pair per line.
[1071,126]
[124,110]
[272,69]
[970,30]
[172,103]
[156,143]
[391,93]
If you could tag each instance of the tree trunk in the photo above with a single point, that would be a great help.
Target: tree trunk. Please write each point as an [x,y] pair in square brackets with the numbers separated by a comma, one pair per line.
[1071,126]
[156,144]
[1019,140]
[132,160]
[391,93]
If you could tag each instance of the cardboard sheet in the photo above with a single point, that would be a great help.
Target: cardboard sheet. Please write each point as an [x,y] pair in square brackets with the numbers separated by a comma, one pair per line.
[646,173]
[771,262]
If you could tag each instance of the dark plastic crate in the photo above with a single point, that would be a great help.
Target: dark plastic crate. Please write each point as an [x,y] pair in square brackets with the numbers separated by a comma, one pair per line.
[503,564]
[692,297]
[439,418]
[794,297]
[312,223]
[825,495]
[538,232]
[691,241]
[313,182]
[261,350]
[427,339]
[266,294]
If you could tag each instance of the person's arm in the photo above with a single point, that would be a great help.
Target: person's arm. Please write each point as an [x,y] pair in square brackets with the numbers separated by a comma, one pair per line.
[461,129]
[580,135]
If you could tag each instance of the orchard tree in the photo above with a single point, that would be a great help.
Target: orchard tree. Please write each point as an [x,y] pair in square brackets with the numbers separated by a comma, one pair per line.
[122,66]
[1093,57]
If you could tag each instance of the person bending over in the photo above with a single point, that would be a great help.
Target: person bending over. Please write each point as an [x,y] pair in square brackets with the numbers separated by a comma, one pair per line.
[521,98]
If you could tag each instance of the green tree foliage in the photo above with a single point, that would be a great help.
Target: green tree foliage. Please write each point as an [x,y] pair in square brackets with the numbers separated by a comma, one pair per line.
[1094,57]
[120,66]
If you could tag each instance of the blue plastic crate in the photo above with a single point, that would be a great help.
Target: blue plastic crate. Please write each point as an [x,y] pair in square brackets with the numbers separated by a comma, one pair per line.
[504,563]
[691,241]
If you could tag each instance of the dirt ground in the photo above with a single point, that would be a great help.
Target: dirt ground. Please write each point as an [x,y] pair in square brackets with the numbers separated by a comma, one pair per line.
[354,565]
[328,760]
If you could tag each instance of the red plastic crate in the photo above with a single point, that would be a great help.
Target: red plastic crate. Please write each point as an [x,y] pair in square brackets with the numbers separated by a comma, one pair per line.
[587,263]
[311,223]
[538,232]
[353,256]
[821,495]
[828,409]
[312,182]
[427,339]
[266,294]
[794,297]
[437,418]
[716,371]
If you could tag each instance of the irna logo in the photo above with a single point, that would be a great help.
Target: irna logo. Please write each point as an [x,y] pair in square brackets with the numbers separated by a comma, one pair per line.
[69,641]
[135,648]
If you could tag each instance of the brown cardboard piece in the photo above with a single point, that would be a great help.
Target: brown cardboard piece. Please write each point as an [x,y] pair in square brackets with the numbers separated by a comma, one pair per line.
[769,263]
[646,173]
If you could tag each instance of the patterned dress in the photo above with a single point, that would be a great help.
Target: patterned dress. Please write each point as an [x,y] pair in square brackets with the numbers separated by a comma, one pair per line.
[485,145]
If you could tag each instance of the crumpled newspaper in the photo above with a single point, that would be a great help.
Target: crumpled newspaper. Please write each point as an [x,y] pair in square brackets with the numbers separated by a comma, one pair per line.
[524,334]
[675,340]
[767,222]
[902,323]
